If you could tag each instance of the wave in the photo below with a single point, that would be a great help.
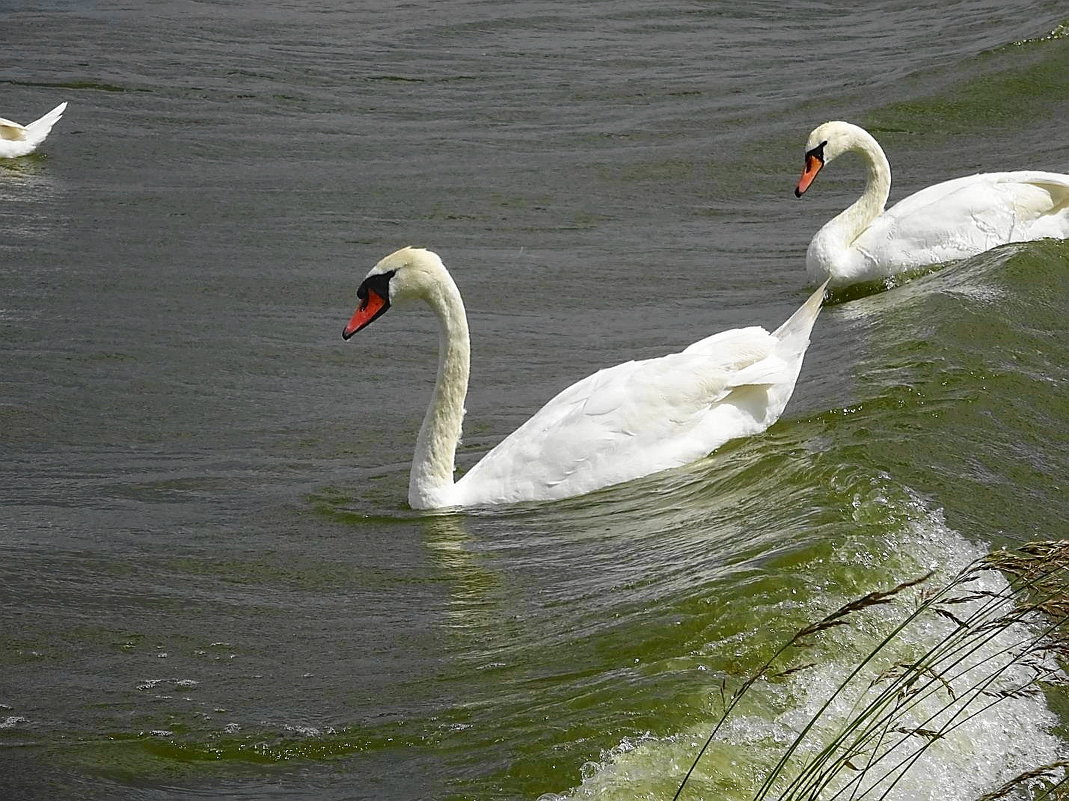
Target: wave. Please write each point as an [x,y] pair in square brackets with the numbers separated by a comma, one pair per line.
[991,743]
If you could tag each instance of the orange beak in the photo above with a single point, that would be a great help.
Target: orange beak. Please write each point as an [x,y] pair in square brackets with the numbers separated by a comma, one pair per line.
[370,308]
[813,164]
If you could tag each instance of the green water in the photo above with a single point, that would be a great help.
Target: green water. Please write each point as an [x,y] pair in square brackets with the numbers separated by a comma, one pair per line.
[590,638]
[210,582]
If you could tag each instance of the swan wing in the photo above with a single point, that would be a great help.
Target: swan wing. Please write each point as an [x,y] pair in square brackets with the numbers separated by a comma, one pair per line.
[959,218]
[641,417]
[633,419]
[11,131]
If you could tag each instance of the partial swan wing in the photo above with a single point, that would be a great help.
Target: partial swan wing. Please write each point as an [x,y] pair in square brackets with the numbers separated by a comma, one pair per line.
[959,218]
[11,131]
[633,419]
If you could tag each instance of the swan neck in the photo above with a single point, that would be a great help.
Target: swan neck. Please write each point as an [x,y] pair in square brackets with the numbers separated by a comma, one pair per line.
[877,185]
[431,478]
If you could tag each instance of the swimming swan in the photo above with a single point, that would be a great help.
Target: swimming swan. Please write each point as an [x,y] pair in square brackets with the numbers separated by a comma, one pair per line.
[946,221]
[18,140]
[618,424]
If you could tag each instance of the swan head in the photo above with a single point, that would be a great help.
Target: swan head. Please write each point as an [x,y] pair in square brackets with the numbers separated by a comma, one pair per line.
[826,143]
[406,274]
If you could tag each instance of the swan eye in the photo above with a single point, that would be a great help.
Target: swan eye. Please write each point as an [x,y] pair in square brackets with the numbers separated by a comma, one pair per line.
[817,152]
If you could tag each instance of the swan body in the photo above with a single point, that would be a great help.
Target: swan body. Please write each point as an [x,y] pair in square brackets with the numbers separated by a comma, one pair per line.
[19,140]
[947,221]
[618,424]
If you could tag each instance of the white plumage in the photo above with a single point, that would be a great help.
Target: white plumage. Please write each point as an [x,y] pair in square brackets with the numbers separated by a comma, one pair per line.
[618,424]
[944,222]
[19,140]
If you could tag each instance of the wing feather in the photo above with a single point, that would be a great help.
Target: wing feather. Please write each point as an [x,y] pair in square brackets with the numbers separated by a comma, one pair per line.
[633,419]
[11,131]
[959,218]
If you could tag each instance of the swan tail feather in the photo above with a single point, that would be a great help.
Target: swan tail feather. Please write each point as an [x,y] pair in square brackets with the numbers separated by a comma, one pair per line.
[797,328]
[37,131]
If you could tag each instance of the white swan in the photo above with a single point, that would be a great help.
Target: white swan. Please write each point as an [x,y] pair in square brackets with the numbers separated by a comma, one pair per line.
[618,424]
[947,221]
[19,140]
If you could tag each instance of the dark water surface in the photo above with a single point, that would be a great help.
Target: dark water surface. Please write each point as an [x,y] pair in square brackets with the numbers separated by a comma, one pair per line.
[211,584]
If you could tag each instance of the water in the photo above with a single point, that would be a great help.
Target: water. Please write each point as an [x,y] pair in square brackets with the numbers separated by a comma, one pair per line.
[211,583]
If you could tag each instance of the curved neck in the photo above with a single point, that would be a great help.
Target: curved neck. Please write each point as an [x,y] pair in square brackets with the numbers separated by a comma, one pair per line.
[870,205]
[431,477]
